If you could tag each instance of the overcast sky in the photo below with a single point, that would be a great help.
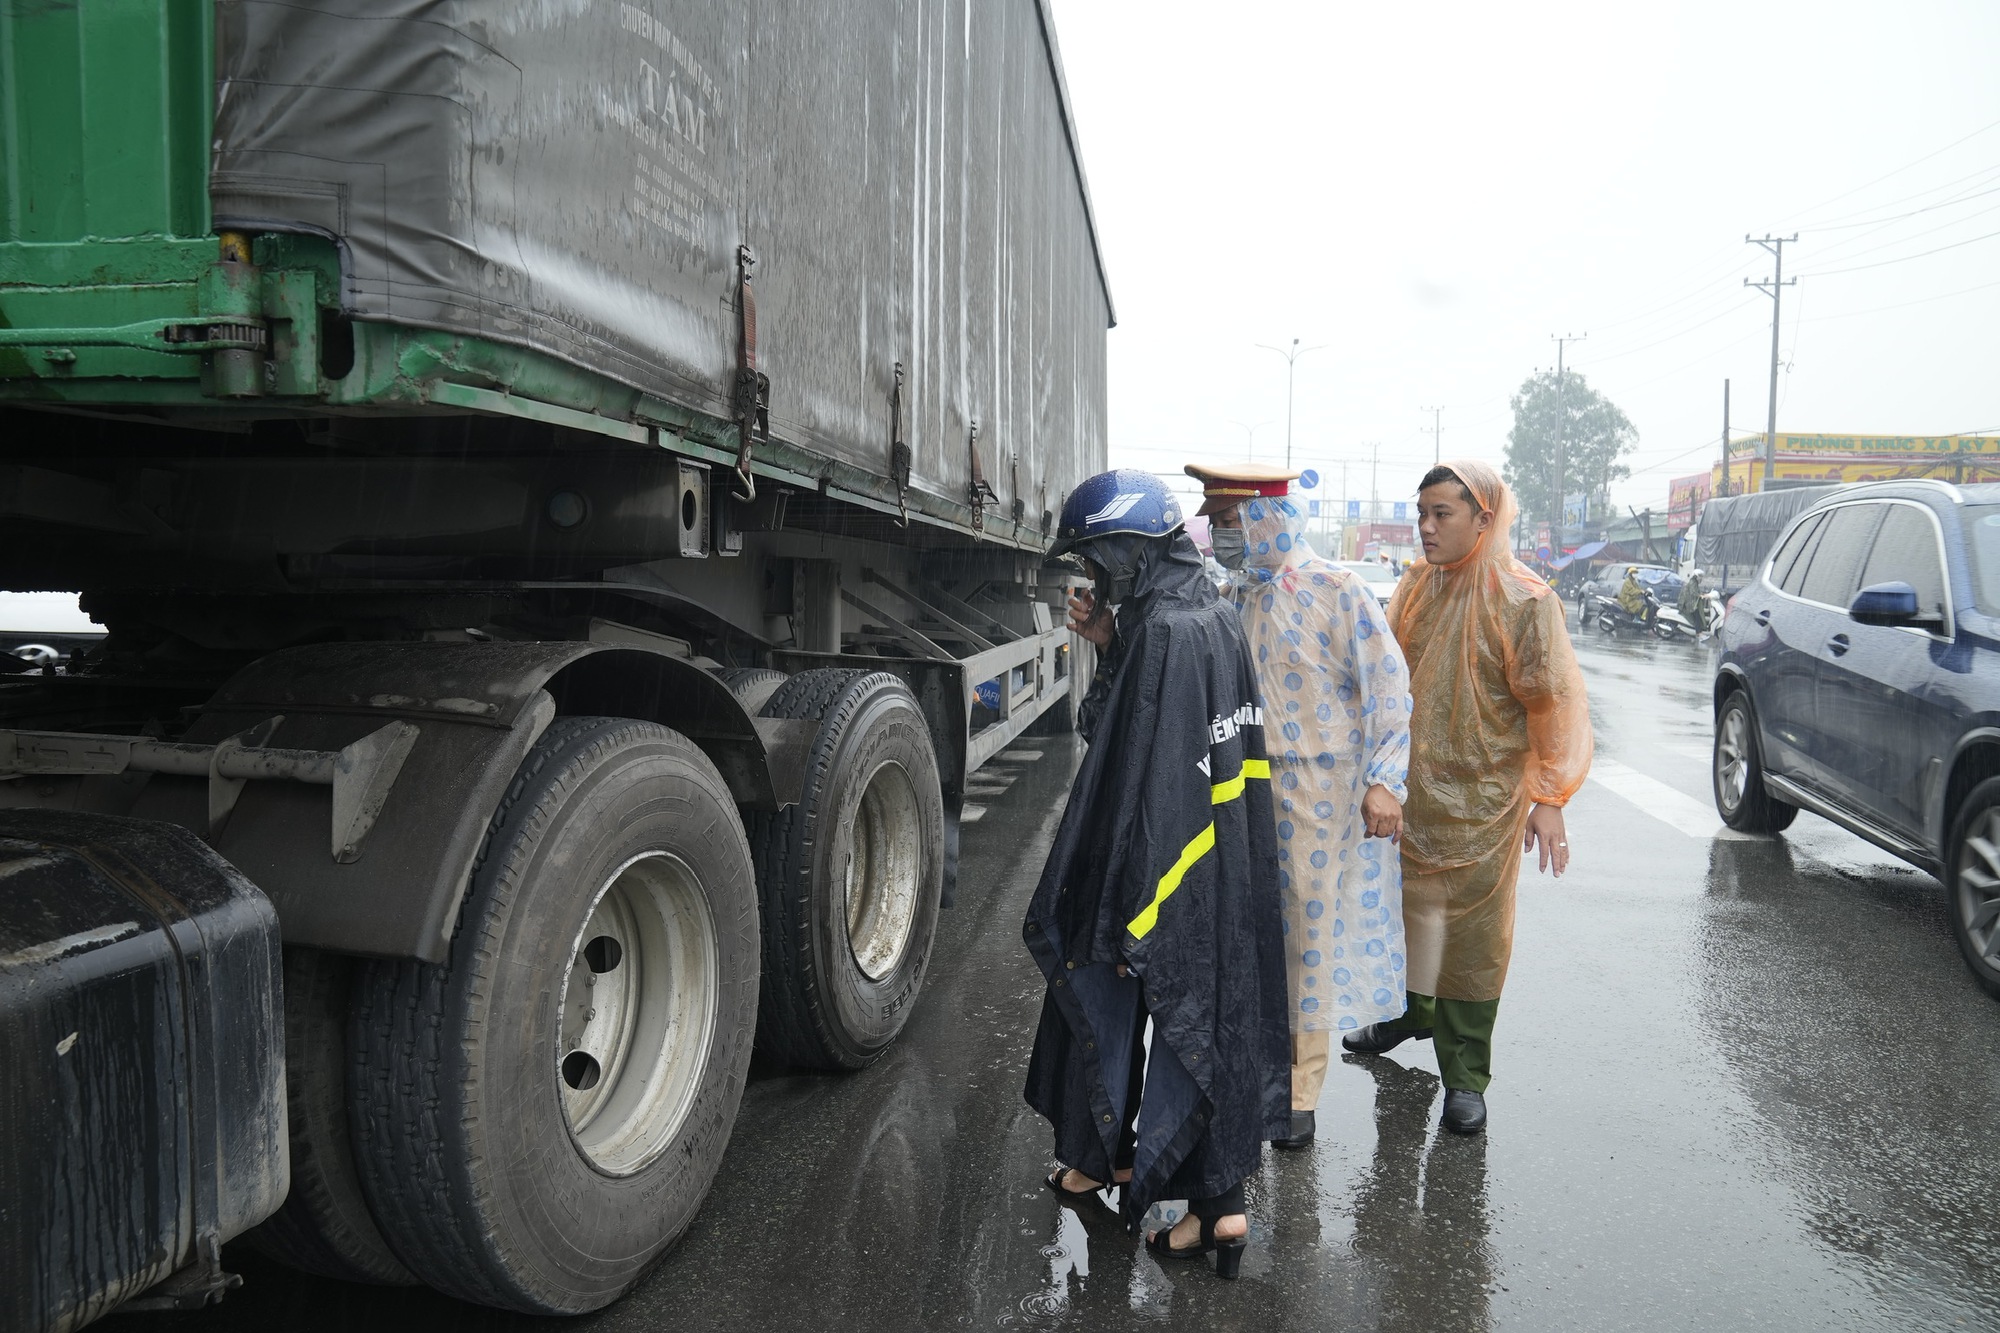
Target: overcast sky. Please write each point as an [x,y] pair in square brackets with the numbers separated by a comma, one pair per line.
[1428,192]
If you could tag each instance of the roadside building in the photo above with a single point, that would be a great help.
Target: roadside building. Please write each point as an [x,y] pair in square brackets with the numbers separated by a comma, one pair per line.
[1814,459]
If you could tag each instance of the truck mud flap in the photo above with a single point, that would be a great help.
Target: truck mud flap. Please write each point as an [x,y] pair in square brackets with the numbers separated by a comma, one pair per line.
[142,1109]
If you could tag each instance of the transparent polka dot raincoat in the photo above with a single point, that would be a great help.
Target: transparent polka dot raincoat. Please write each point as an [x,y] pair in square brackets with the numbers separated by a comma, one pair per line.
[1337,721]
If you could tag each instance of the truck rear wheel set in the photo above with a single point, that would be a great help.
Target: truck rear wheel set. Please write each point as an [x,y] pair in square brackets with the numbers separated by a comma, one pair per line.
[852,875]
[535,1121]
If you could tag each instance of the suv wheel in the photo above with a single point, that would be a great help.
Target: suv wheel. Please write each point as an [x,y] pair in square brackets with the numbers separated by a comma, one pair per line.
[1738,770]
[1973,883]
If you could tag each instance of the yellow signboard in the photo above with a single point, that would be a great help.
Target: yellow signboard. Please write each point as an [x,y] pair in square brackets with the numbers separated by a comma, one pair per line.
[1962,459]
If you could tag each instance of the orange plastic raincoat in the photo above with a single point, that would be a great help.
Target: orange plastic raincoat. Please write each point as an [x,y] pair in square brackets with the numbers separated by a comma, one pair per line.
[1500,723]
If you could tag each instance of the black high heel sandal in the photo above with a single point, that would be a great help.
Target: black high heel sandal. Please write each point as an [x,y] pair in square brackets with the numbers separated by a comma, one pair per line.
[1228,1249]
[1054,1181]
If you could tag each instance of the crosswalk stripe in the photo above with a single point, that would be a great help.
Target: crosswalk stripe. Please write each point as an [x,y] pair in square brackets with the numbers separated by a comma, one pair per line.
[1670,806]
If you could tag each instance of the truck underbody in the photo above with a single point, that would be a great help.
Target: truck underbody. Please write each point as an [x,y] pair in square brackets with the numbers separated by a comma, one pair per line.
[531,681]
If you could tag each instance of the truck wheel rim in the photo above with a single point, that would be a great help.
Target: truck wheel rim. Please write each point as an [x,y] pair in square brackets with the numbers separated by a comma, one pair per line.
[1732,758]
[884,870]
[1979,886]
[637,1013]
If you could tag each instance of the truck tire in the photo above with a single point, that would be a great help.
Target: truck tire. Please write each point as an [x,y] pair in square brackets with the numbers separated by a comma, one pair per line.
[851,876]
[538,1119]
[1741,798]
[324,1226]
[752,686]
[1972,883]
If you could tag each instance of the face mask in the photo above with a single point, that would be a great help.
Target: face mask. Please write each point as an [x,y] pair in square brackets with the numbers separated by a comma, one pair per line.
[1231,548]
[1117,568]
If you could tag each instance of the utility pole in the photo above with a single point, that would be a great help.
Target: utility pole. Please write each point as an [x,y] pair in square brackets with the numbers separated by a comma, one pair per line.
[1291,355]
[1562,439]
[1437,433]
[1776,245]
[1374,490]
[1725,437]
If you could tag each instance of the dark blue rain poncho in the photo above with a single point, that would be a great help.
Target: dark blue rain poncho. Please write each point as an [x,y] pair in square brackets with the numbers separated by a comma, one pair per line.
[1166,861]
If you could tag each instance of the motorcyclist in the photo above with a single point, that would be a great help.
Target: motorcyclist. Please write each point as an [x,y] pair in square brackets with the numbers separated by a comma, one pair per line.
[1632,598]
[1691,606]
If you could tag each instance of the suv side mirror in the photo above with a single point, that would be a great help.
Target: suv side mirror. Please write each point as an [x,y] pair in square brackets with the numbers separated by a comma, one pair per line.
[1884,604]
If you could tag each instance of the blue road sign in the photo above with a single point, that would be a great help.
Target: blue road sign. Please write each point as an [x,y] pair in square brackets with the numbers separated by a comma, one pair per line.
[1402,512]
[1312,509]
[1308,479]
[1354,509]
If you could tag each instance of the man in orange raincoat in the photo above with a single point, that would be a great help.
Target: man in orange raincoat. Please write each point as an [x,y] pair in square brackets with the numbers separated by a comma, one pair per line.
[1499,741]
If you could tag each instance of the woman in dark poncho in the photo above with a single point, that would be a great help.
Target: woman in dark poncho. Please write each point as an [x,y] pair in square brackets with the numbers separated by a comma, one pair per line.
[1160,898]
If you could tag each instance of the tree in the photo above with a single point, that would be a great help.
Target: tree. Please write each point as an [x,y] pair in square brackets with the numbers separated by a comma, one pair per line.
[1597,436]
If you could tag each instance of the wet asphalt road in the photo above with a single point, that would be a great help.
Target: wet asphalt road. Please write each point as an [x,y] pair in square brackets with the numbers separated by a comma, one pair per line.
[1740,1083]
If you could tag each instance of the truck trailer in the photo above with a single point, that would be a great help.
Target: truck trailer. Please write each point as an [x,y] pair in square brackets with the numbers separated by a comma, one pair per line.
[565,489]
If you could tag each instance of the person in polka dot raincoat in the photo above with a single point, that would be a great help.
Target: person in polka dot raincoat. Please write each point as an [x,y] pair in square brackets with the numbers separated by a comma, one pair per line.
[1337,719]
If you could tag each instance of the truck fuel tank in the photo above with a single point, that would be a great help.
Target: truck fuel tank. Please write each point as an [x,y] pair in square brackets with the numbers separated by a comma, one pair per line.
[142,1111]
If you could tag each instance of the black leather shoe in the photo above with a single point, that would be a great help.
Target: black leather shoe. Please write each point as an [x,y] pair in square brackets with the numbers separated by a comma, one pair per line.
[1379,1037]
[1302,1132]
[1464,1112]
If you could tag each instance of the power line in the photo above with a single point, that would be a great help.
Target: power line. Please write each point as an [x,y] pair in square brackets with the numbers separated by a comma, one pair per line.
[1735,304]
[1711,274]
[1689,365]
[1905,240]
[1903,259]
[1900,170]
[1859,216]
[1666,462]
[1915,212]
[1903,305]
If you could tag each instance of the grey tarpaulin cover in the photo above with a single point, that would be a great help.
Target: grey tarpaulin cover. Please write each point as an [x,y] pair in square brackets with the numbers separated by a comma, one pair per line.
[575,176]
[1736,532]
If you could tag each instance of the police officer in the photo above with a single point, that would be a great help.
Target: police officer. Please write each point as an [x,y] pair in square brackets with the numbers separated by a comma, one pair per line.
[1336,697]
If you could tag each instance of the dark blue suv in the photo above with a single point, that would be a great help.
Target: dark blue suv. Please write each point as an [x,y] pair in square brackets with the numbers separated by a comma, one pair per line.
[1860,680]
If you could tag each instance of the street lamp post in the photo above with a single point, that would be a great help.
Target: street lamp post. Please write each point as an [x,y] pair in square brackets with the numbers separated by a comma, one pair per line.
[1249,437]
[1291,355]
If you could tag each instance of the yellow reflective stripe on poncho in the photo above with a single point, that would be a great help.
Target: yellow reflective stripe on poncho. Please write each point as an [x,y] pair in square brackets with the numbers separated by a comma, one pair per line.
[1199,846]
[1230,790]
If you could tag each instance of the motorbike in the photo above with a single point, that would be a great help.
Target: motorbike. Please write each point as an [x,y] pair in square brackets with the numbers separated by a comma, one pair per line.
[1610,617]
[1669,623]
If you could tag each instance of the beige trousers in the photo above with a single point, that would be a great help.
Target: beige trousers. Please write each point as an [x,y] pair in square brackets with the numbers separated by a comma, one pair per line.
[1309,1056]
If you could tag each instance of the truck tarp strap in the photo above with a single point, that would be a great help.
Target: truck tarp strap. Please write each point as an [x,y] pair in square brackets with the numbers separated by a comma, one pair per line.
[899,452]
[752,398]
[979,491]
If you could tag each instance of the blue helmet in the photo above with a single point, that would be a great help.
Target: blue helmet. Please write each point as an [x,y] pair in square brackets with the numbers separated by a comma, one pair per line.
[1122,500]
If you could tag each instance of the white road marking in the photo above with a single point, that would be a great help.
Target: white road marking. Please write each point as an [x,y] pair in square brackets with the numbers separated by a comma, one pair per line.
[1017,756]
[1689,750]
[971,814]
[1669,805]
